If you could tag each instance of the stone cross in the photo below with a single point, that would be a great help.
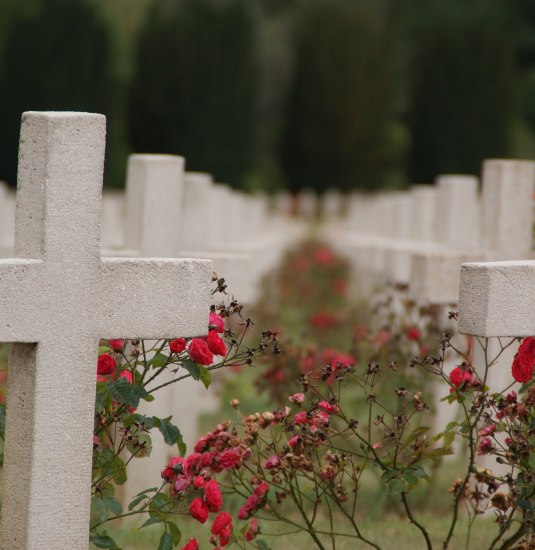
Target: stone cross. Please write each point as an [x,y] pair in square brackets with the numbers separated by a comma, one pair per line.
[58,298]
[506,222]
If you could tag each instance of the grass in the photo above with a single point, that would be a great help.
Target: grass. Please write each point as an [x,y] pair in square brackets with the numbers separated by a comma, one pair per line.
[389,531]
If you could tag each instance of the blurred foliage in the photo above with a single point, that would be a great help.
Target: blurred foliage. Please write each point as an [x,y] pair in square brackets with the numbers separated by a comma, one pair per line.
[339,106]
[56,56]
[464,72]
[267,93]
[194,90]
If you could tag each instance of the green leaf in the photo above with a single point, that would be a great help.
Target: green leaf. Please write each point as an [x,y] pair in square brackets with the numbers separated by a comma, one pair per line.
[175,532]
[205,377]
[150,490]
[409,477]
[159,361]
[193,368]
[136,501]
[448,438]
[441,451]
[151,521]
[104,349]
[104,508]
[2,420]
[122,391]
[118,471]
[166,542]
[396,486]
[160,506]
[171,433]
[262,544]
[103,541]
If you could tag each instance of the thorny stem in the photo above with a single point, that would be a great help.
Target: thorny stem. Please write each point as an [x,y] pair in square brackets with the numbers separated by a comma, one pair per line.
[415,522]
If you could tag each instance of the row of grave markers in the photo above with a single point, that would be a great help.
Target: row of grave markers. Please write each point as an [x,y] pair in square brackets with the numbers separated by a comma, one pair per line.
[61,289]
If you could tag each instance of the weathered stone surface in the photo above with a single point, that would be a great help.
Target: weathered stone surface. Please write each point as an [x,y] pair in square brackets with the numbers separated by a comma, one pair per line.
[58,298]
[497,298]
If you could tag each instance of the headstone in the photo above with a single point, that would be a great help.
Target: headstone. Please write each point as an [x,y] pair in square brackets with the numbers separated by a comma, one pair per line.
[58,298]
[113,220]
[433,273]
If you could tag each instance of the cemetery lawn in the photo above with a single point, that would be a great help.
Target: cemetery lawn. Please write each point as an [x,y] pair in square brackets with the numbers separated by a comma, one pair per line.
[389,531]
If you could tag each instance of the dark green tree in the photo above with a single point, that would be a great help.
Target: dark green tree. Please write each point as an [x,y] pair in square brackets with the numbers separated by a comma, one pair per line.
[55,56]
[194,89]
[340,103]
[463,72]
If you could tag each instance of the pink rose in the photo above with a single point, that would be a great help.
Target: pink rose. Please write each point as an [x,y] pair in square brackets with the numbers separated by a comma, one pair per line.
[272,462]
[216,322]
[297,398]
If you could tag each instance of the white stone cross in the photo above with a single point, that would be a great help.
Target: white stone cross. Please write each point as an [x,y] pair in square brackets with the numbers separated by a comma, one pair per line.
[497,299]
[58,298]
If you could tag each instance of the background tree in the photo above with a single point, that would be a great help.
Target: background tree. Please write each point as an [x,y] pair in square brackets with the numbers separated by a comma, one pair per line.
[340,103]
[463,89]
[56,55]
[195,87]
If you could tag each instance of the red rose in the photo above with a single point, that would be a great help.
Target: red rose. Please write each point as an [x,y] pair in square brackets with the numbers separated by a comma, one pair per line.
[222,528]
[116,345]
[272,462]
[262,489]
[168,474]
[212,494]
[328,408]
[485,446]
[229,458]
[414,333]
[458,377]
[198,510]
[126,374]
[178,345]
[524,361]
[253,530]
[192,545]
[216,322]
[216,345]
[199,482]
[199,352]
[106,364]
[324,256]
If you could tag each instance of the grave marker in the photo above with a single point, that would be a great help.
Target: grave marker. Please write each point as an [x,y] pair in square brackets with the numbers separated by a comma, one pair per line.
[58,298]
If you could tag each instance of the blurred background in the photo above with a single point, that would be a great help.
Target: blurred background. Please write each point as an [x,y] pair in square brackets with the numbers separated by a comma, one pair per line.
[272,94]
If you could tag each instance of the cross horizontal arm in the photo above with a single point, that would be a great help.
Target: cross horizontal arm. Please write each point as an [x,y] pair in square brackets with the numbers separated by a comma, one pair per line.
[154,298]
[20,289]
[497,299]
